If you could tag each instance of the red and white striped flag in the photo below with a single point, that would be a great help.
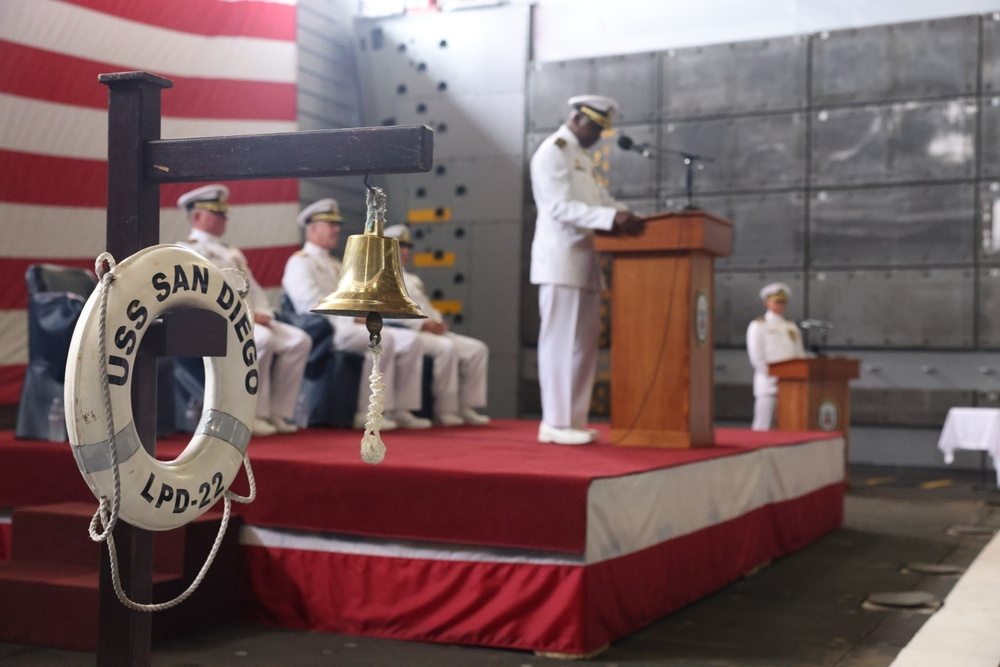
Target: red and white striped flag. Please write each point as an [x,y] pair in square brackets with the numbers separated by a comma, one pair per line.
[233,64]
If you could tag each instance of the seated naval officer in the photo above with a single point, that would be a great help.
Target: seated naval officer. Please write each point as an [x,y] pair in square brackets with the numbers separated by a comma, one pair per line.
[572,206]
[770,339]
[282,350]
[460,362]
[313,273]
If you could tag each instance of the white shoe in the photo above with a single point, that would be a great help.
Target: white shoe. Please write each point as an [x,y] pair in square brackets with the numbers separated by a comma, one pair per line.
[449,419]
[282,425]
[473,418]
[563,436]
[262,428]
[407,419]
[361,418]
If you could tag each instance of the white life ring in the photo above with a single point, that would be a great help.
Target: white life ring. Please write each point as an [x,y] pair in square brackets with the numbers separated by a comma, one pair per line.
[160,495]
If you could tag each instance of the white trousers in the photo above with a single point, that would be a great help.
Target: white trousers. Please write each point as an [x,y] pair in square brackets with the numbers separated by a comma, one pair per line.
[460,364]
[282,353]
[763,412]
[567,353]
[402,362]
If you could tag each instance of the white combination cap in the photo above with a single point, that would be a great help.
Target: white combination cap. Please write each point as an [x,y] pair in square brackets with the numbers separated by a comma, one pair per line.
[780,290]
[214,198]
[324,210]
[400,232]
[597,108]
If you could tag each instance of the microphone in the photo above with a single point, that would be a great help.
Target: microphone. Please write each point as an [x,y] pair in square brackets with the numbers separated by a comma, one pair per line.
[626,143]
[816,324]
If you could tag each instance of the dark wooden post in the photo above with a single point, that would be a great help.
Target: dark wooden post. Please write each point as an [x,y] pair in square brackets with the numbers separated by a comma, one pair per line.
[138,162]
[133,223]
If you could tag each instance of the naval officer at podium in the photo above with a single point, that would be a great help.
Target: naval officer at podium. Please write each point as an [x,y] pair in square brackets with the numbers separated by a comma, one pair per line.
[572,205]
[770,339]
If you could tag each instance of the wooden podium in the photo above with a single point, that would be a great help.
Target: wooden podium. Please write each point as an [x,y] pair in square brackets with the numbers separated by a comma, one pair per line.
[813,394]
[662,309]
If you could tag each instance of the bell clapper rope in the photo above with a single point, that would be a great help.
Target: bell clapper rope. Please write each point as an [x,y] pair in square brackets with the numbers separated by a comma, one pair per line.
[107,510]
[372,447]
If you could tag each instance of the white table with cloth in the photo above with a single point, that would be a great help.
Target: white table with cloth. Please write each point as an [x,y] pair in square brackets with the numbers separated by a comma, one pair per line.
[971,428]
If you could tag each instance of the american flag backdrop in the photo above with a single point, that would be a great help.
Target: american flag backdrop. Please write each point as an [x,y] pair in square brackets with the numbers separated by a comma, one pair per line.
[233,64]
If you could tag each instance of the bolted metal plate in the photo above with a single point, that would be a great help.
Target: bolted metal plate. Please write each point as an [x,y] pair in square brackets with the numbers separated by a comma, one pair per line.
[906,141]
[550,85]
[939,569]
[989,308]
[747,153]
[876,308]
[742,77]
[902,599]
[737,302]
[991,53]
[990,143]
[902,61]
[631,80]
[768,229]
[893,226]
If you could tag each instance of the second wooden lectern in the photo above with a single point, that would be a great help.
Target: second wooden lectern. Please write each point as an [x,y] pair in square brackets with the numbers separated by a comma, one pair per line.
[662,310]
[813,394]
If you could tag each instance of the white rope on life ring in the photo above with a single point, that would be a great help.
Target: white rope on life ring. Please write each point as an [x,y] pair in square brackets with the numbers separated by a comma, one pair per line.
[158,495]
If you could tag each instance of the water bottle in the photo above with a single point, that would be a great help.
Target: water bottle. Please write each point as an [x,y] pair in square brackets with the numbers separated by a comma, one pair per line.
[302,410]
[57,420]
[192,414]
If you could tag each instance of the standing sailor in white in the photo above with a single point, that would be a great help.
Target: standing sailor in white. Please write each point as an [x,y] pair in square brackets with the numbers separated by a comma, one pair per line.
[313,273]
[460,362]
[770,339]
[282,350]
[572,205]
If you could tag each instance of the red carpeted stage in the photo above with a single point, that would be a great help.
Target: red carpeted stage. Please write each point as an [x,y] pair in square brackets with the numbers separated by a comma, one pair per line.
[484,536]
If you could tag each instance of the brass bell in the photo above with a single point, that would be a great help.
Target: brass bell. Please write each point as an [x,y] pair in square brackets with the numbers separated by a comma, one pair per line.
[371,280]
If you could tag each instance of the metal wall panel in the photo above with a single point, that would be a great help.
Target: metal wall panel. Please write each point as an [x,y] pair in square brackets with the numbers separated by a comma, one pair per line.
[768,229]
[907,225]
[989,308]
[446,282]
[754,76]
[990,137]
[930,309]
[747,153]
[906,141]
[987,232]
[472,188]
[991,54]
[628,173]
[737,302]
[550,85]
[493,297]
[890,62]
[467,125]
[631,80]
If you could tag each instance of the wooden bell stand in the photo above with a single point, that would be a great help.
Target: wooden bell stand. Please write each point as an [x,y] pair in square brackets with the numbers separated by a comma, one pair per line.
[138,162]
[662,338]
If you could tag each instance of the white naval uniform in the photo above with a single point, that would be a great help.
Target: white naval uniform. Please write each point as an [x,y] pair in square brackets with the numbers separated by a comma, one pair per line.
[282,350]
[571,205]
[460,382]
[770,339]
[311,274]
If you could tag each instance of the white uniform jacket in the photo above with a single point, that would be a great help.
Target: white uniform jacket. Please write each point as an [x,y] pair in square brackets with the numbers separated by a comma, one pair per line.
[416,290]
[571,205]
[310,274]
[770,339]
[225,256]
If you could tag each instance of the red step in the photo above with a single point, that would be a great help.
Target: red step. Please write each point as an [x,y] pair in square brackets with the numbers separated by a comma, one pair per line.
[49,587]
